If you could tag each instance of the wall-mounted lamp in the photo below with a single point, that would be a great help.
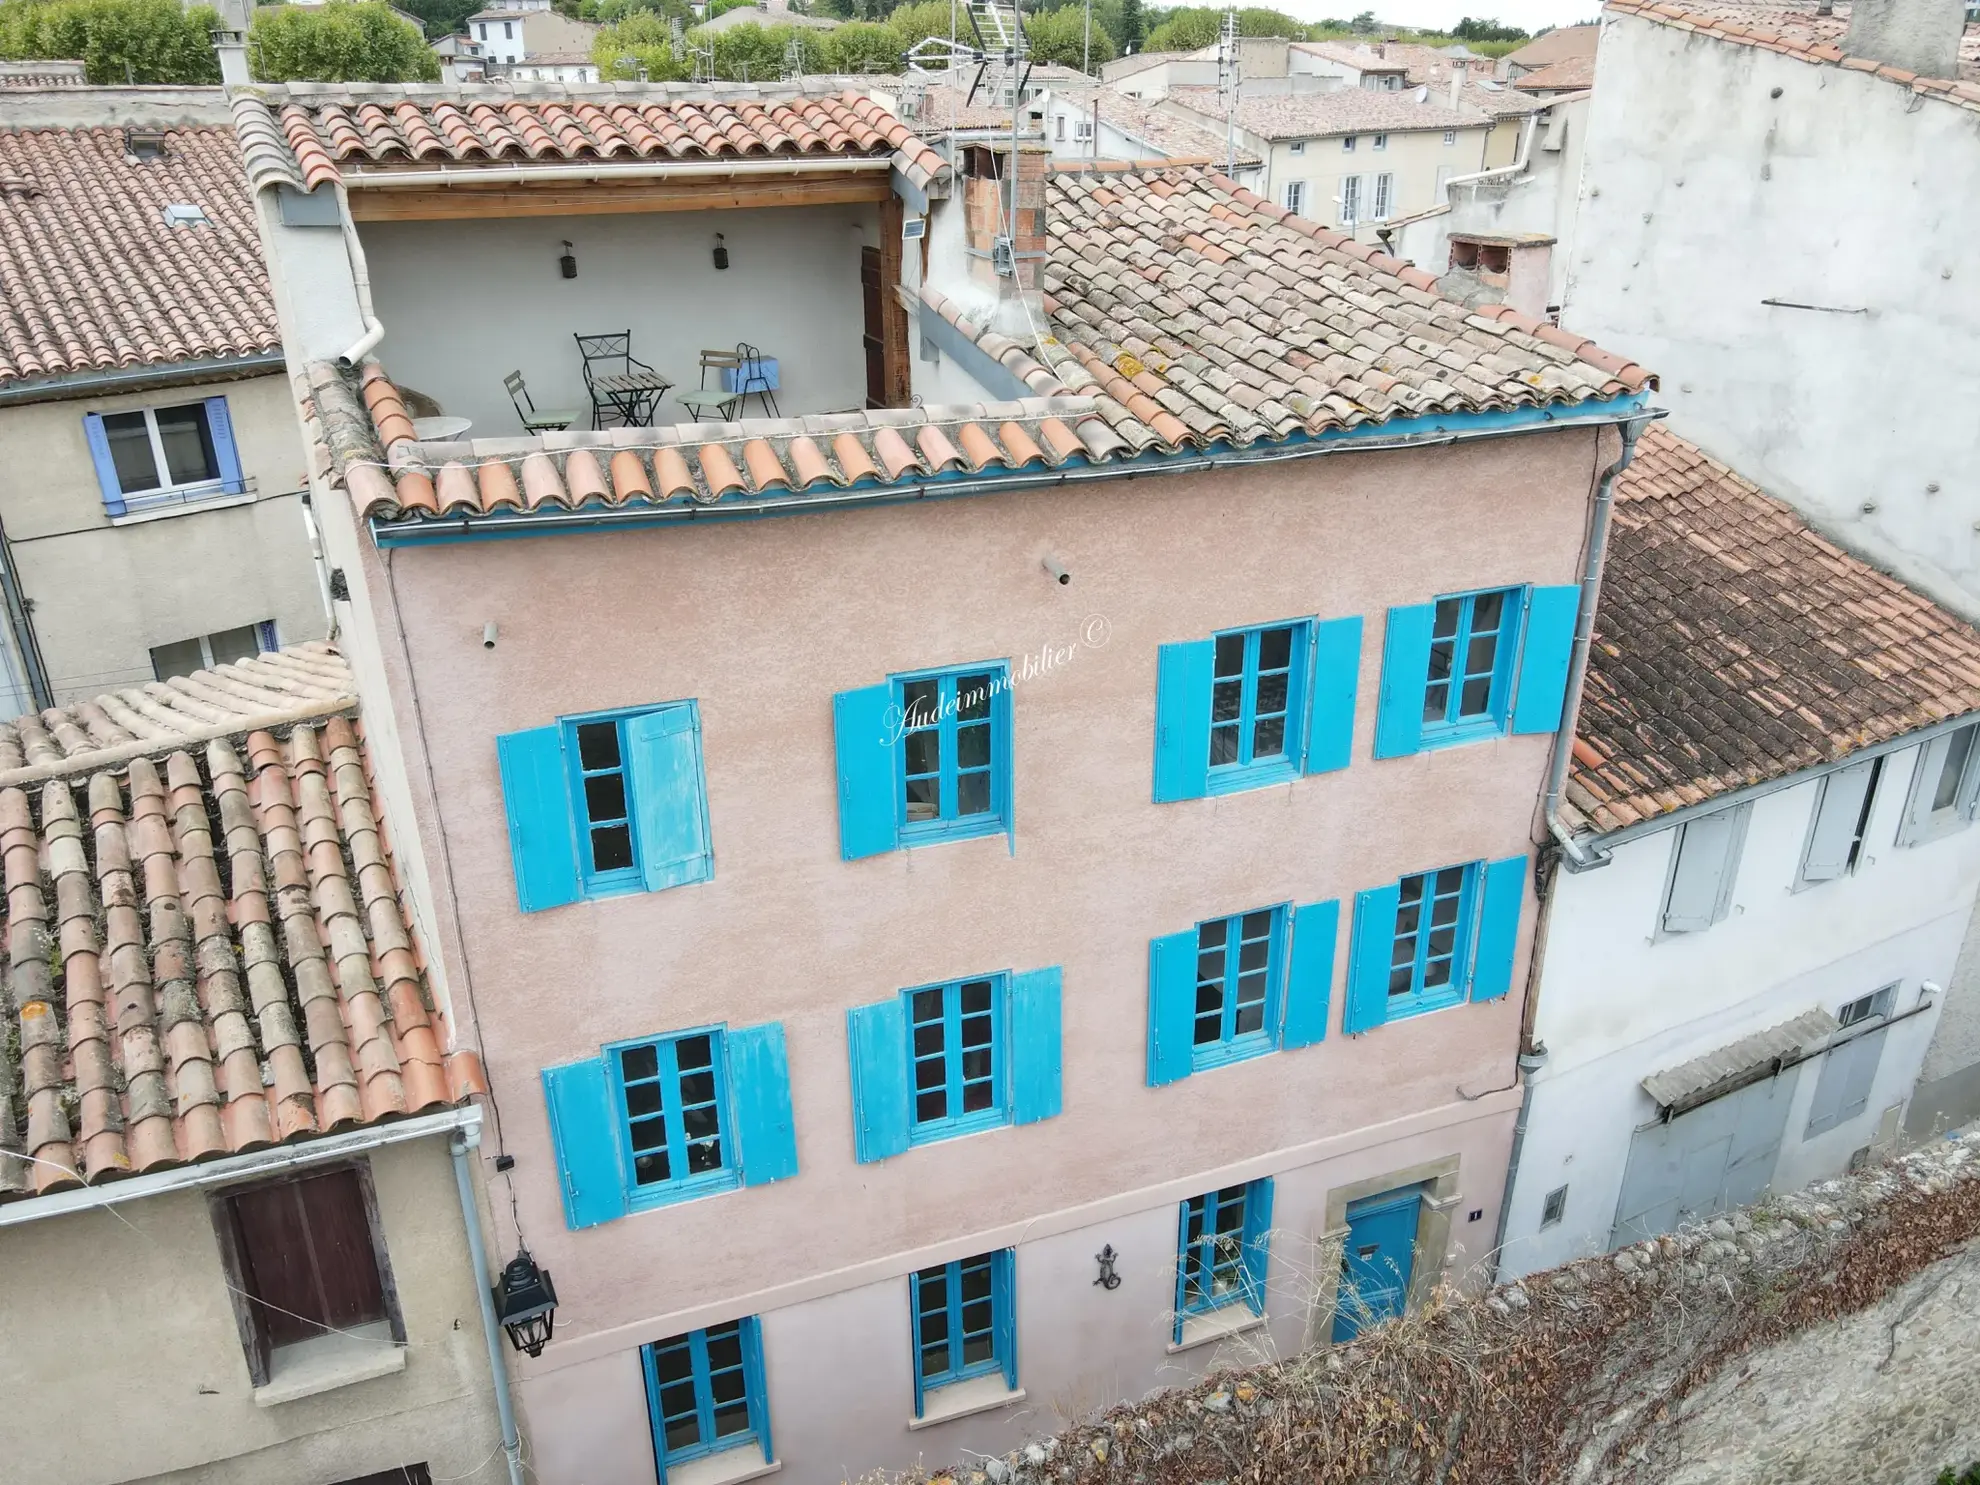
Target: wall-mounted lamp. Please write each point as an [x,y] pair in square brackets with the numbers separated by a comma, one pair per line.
[721,253]
[526,1304]
[1057,569]
[1107,1258]
[568,263]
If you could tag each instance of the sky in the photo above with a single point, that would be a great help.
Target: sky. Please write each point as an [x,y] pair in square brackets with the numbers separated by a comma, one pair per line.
[1441,15]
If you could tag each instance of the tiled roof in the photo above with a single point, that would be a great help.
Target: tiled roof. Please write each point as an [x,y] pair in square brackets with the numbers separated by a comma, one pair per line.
[309,134]
[40,74]
[1733,645]
[1428,67]
[1570,75]
[1343,111]
[1366,58]
[1185,313]
[1795,29]
[1122,67]
[92,278]
[1563,42]
[1164,133]
[207,954]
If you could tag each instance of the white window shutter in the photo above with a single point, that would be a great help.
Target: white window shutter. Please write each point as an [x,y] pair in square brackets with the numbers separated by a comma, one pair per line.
[1706,850]
[1832,839]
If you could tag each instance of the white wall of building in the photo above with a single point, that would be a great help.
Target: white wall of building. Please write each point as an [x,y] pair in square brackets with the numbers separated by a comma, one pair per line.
[1721,176]
[1617,1002]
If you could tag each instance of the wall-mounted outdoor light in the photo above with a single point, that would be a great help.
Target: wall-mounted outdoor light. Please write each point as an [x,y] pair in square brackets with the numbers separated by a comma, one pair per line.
[721,253]
[568,263]
[526,1304]
[1107,1258]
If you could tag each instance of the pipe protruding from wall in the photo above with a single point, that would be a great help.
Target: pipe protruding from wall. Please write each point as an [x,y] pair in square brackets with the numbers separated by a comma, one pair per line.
[1059,574]
[1921,36]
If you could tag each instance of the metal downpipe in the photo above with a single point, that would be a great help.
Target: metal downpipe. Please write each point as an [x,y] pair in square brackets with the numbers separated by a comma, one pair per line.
[491,1331]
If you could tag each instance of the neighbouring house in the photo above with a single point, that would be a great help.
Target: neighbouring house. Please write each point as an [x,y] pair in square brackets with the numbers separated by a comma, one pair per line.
[956,994]
[462,58]
[568,67]
[1565,44]
[1097,124]
[153,497]
[1708,241]
[236,1106]
[1768,868]
[1352,158]
[518,30]
[1570,75]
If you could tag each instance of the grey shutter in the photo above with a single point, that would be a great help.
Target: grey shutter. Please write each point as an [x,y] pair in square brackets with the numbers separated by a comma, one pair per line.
[1843,1091]
[1832,838]
[1701,877]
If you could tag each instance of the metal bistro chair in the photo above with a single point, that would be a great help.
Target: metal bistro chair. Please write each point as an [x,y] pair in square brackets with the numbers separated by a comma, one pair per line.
[750,380]
[619,382]
[553,420]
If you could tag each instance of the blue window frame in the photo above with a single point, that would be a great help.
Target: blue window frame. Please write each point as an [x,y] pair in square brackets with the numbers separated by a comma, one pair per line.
[951,724]
[963,1322]
[1473,637]
[1255,712]
[608,852]
[956,1049]
[1240,967]
[1434,912]
[1222,1249]
[704,1392]
[675,1116]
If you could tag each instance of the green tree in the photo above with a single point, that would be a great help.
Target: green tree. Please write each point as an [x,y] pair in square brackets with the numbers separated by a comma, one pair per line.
[118,41]
[863,46]
[640,38]
[917,22]
[1485,30]
[1060,36]
[1185,30]
[1365,24]
[1133,28]
[344,41]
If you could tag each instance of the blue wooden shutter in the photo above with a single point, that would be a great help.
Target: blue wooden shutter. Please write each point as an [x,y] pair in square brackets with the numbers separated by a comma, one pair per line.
[1309,973]
[1182,1266]
[1003,1290]
[1336,674]
[1544,652]
[669,798]
[760,1103]
[1369,953]
[1257,1242]
[1171,1006]
[221,427]
[536,792]
[1405,672]
[584,1132]
[106,467]
[863,727]
[756,1393]
[1034,1042]
[877,1046]
[1183,675]
[1498,927]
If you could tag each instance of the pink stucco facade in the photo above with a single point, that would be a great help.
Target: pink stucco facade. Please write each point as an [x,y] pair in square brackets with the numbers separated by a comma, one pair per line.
[763,622]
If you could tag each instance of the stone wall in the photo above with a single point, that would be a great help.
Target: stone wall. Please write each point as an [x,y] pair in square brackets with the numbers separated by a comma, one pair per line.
[1825,1338]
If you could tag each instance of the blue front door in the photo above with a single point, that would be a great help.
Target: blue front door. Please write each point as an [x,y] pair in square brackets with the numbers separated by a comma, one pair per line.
[1381,1249]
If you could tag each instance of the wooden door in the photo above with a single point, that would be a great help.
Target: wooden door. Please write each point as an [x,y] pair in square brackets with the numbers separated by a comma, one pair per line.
[873,296]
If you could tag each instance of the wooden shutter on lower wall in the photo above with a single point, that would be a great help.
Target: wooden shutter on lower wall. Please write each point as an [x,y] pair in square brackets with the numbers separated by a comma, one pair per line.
[1003,1293]
[220,426]
[112,488]
[1373,942]
[536,793]
[1405,673]
[307,1257]
[1171,1006]
[1257,1242]
[1502,893]
[1309,974]
[760,1102]
[585,1133]
[1184,677]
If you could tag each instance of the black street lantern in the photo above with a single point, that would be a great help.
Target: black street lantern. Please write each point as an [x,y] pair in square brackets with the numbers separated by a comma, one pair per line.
[526,1304]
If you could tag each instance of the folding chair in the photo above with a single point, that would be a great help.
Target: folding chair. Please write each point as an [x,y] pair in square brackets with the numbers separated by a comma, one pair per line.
[750,378]
[549,421]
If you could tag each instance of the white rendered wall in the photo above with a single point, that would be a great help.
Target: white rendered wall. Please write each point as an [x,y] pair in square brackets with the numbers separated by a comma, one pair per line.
[1705,195]
[1617,1004]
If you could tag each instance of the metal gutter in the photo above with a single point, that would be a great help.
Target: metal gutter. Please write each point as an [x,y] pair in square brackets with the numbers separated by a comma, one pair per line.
[131,378]
[753,168]
[239,1167]
[463,1141]
[452,528]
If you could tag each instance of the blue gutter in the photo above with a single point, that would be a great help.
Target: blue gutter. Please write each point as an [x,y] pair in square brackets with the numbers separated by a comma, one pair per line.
[1398,434]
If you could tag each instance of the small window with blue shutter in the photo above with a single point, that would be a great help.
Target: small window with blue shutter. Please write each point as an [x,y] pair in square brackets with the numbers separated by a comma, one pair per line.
[1234,988]
[943,1060]
[1433,939]
[924,757]
[705,1394]
[1475,665]
[666,1119]
[152,458]
[1252,707]
[964,1323]
[1223,1252]
[606,803]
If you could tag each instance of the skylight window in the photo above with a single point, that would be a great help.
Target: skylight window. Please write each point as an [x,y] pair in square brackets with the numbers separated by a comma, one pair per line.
[185,214]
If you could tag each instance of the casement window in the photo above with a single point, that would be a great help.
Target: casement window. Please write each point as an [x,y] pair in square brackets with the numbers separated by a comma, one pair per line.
[1347,144]
[705,1393]
[1350,200]
[1082,129]
[606,803]
[1381,141]
[965,1323]
[508,31]
[1296,196]
[666,1119]
[1222,1251]
[1554,1208]
[157,457]
[1849,1067]
[1944,787]
[944,1060]
[1297,147]
[1432,940]
[1704,865]
[305,1257]
[484,30]
[203,652]
[1059,127]
[1475,665]
[925,757]
[1252,707]
[1237,987]
[1385,196]
[1450,136]
[1836,825]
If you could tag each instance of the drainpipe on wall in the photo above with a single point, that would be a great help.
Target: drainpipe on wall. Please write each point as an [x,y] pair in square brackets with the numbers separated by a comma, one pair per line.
[1529,1063]
[459,1145]
[361,282]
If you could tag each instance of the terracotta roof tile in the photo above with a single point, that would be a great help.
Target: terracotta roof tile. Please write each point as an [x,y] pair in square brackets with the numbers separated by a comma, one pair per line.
[1797,28]
[1734,645]
[207,948]
[1342,111]
[93,278]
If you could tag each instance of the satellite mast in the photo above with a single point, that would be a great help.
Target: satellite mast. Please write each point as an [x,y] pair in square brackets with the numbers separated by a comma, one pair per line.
[1229,83]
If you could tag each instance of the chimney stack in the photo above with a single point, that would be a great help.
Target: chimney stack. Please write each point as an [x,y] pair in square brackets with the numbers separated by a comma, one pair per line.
[1457,85]
[1005,271]
[1921,36]
[230,42]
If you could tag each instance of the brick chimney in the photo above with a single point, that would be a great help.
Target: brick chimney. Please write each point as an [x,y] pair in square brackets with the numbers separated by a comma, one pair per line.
[1008,272]
[1921,36]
